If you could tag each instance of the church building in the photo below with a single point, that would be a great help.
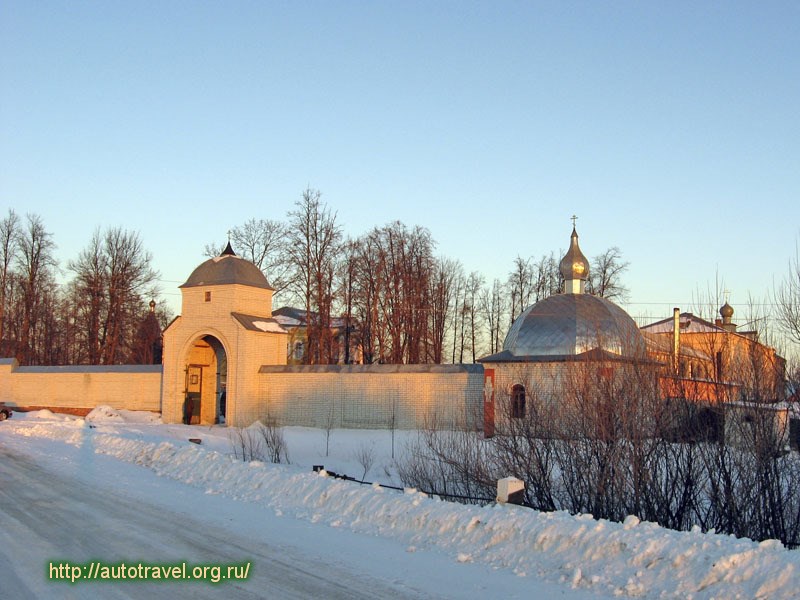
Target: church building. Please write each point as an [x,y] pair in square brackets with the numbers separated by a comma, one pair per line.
[564,355]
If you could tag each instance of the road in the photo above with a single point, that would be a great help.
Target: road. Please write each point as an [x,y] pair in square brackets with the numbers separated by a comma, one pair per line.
[48,515]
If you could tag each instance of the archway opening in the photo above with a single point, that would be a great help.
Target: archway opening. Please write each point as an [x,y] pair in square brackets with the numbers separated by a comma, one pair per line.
[205,388]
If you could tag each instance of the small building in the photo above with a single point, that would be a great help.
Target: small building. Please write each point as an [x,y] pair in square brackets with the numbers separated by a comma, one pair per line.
[224,334]
[344,348]
[567,361]
[717,360]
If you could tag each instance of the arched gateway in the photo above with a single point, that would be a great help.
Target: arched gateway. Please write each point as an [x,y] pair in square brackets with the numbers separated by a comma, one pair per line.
[212,352]
[206,375]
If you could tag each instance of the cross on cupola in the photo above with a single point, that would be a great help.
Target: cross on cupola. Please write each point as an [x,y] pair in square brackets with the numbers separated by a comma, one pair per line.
[228,249]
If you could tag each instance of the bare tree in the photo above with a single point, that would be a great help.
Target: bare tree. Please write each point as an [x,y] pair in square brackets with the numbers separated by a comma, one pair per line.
[36,263]
[405,302]
[276,448]
[458,316]
[264,243]
[474,284]
[9,232]
[88,290]
[393,289]
[547,278]
[314,239]
[493,306]
[787,299]
[520,286]
[347,292]
[365,266]
[114,275]
[444,283]
[364,455]
[605,275]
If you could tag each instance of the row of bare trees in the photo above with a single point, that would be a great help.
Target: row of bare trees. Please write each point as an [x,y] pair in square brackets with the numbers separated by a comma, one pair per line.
[393,297]
[398,300]
[96,317]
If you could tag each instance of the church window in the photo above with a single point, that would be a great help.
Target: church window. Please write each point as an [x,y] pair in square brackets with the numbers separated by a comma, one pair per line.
[299,350]
[518,402]
[208,296]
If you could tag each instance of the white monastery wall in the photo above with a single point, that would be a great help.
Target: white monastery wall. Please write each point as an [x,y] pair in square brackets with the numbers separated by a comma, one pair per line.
[366,396]
[132,387]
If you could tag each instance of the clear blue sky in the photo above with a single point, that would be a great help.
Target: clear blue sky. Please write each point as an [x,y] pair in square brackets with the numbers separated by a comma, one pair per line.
[672,129]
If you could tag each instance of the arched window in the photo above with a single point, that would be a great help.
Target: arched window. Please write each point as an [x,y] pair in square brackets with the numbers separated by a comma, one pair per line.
[518,402]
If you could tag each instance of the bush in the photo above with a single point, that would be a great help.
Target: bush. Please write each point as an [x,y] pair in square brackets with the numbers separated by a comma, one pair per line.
[262,441]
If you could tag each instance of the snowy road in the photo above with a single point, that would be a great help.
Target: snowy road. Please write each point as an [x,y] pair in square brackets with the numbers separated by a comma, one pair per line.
[61,502]
[49,516]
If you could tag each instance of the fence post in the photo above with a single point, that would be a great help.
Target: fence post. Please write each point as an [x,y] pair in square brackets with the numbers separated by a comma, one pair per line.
[510,490]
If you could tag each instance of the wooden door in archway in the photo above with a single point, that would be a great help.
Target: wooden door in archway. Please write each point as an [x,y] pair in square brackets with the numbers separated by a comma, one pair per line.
[194,394]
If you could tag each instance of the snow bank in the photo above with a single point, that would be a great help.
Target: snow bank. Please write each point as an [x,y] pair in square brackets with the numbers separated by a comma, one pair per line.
[633,558]
[107,414]
[48,415]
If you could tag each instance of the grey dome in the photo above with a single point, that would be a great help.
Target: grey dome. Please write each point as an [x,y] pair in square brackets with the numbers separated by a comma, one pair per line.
[227,269]
[566,325]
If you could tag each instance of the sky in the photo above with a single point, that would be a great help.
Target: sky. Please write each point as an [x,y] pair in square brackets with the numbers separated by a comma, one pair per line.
[671,130]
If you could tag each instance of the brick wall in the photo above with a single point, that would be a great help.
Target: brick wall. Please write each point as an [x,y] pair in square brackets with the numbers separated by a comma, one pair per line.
[357,396]
[132,387]
[366,396]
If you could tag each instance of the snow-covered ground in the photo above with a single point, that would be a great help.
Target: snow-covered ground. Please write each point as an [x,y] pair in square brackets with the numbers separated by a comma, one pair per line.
[513,550]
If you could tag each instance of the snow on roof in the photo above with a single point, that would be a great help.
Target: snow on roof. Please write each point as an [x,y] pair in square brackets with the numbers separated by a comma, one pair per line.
[287,321]
[297,317]
[773,406]
[257,323]
[688,323]
[269,326]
